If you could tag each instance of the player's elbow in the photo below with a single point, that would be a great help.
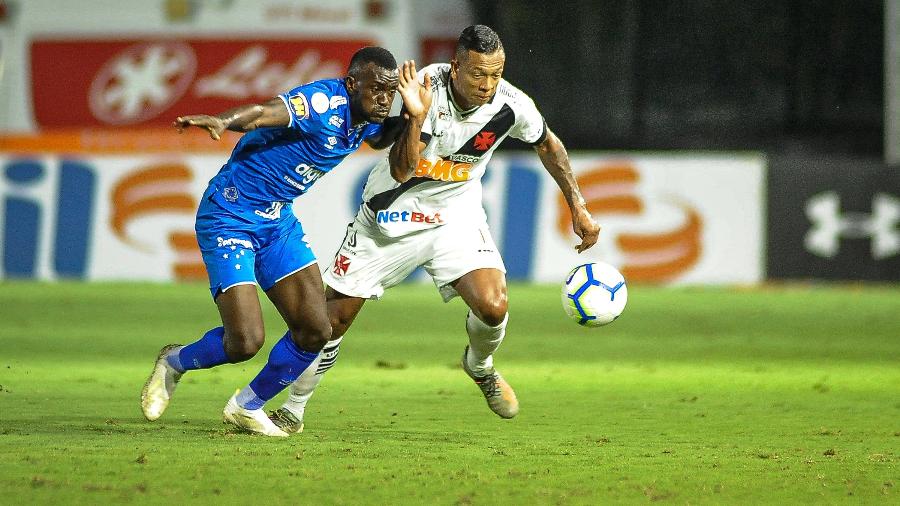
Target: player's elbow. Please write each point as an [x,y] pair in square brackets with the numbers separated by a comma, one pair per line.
[400,176]
[401,172]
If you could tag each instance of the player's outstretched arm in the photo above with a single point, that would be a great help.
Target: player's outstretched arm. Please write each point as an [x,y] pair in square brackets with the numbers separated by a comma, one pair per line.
[556,160]
[272,113]
[416,101]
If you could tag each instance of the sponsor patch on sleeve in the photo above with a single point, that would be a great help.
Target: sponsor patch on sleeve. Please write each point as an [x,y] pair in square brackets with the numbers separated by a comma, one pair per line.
[319,102]
[300,107]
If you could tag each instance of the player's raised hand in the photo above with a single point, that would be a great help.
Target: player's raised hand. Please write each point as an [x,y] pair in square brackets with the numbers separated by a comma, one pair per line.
[212,124]
[586,228]
[416,96]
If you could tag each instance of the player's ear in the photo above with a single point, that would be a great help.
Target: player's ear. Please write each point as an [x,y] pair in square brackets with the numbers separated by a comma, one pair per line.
[351,84]
[454,68]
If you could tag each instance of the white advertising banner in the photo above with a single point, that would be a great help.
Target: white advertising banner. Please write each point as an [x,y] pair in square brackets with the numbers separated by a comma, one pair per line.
[666,218]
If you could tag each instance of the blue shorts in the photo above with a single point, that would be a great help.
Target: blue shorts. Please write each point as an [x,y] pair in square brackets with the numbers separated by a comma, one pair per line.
[249,249]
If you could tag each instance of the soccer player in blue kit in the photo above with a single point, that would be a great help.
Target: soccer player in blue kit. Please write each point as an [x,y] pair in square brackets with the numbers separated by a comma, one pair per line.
[248,234]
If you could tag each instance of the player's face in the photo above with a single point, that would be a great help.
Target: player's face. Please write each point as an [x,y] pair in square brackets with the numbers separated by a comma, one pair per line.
[475,77]
[372,93]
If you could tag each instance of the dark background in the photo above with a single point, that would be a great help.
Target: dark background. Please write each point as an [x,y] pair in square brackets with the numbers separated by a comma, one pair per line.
[796,76]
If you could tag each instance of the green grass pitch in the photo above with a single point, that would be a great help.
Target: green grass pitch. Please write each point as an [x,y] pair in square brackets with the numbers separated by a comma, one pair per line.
[695,396]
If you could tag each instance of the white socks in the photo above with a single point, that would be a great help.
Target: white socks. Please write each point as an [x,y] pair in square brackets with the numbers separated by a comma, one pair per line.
[483,342]
[304,387]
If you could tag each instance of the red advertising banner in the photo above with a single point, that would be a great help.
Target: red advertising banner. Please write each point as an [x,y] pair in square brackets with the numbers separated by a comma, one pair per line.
[148,82]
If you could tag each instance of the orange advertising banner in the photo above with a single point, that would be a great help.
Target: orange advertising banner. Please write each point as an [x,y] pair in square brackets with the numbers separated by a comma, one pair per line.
[121,141]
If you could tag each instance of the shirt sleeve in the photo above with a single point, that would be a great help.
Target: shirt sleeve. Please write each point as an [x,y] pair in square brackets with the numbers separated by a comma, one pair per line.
[374,130]
[306,104]
[530,126]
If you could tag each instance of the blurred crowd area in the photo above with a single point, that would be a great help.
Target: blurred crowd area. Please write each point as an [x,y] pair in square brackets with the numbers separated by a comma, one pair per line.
[796,76]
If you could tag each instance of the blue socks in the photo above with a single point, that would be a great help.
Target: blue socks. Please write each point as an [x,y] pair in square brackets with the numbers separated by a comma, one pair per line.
[208,352]
[286,363]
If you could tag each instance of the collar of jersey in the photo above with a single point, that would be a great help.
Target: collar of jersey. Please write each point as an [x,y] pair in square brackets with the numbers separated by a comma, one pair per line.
[348,117]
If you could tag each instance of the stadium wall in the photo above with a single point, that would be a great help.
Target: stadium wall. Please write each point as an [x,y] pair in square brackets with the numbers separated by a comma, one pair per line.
[682,218]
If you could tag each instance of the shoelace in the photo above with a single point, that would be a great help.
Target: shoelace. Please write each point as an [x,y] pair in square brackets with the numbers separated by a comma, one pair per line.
[490,385]
[283,419]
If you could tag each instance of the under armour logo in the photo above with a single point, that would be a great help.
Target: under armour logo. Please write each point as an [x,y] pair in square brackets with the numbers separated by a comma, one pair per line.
[829,225]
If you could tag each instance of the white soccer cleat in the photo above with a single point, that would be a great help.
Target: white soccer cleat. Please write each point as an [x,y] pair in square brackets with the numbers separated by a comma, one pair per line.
[250,420]
[160,385]
[499,395]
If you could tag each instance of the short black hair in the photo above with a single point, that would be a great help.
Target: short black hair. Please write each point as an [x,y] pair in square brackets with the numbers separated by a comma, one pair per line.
[378,56]
[479,38]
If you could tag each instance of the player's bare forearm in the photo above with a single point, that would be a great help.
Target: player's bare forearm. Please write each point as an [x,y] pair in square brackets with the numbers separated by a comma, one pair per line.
[245,118]
[555,159]
[404,155]
[272,113]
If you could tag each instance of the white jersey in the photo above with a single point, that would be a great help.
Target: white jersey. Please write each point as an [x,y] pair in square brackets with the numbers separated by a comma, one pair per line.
[446,185]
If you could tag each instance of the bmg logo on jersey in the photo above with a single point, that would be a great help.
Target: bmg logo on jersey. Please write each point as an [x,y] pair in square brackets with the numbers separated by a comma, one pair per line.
[443,170]
[46,213]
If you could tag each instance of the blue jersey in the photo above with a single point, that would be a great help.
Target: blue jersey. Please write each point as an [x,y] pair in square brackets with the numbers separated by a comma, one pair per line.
[270,167]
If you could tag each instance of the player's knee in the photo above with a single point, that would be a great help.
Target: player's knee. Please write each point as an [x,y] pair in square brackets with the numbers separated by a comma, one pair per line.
[493,311]
[244,344]
[339,325]
[312,337]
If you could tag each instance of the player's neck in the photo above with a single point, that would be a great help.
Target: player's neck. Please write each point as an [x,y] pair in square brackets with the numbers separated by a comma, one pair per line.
[458,103]
[356,122]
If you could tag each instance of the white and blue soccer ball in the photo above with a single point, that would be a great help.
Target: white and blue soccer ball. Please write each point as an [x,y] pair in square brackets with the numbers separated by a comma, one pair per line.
[594,294]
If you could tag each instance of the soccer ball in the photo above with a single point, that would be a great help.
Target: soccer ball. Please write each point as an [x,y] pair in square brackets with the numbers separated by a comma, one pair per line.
[594,294]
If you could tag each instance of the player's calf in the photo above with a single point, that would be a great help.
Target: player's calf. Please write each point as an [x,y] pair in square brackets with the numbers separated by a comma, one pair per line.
[289,417]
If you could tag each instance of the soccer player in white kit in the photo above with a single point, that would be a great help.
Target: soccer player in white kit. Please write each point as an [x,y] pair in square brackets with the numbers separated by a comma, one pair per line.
[430,214]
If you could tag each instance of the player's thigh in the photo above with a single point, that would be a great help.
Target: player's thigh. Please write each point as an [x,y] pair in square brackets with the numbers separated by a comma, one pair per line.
[459,250]
[342,310]
[242,320]
[284,252]
[228,247]
[368,263]
[300,299]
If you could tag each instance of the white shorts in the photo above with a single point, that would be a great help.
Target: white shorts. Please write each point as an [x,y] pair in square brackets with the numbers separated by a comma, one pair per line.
[368,263]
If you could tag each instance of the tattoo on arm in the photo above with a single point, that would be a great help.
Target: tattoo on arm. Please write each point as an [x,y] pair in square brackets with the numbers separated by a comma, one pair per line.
[272,113]
[555,159]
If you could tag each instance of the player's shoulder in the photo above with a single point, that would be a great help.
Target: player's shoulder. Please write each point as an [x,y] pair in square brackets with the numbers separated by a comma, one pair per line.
[512,95]
[318,96]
